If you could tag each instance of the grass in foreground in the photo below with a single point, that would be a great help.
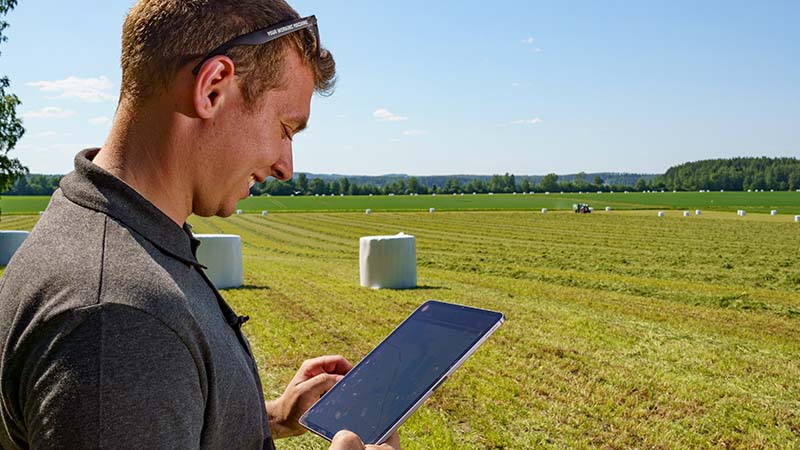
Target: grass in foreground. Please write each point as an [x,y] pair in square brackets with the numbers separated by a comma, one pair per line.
[623,331]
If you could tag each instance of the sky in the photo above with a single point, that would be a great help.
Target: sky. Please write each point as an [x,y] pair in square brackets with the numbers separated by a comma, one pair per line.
[468,87]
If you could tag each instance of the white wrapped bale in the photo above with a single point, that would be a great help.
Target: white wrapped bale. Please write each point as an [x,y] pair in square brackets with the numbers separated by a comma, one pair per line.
[368,211]
[432,210]
[608,209]
[797,218]
[388,262]
[661,214]
[222,255]
[264,213]
[774,212]
[686,214]
[10,241]
[742,213]
[544,210]
[697,212]
[238,212]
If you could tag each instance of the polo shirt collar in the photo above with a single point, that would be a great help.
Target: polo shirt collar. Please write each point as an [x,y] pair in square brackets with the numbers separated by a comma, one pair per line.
[92,187]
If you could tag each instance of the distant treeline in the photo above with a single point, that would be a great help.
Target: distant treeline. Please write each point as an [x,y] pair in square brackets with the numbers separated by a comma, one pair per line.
[736,174]
[35,184]
[336,185]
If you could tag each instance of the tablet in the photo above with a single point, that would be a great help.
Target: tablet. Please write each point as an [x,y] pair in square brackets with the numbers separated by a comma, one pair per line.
[396,377]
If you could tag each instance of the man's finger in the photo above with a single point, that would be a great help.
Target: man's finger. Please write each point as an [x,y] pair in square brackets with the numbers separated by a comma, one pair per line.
[320,384]
[335,364]
[346,440]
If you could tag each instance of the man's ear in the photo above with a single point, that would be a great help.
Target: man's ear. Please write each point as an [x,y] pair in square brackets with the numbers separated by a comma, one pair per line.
[213,85]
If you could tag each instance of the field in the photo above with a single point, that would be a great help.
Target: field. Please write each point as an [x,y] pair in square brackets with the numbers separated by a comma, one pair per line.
[623,330]
[755,202]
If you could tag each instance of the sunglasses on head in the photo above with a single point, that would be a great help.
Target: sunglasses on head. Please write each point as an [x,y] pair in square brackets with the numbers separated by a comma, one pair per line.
[268,34]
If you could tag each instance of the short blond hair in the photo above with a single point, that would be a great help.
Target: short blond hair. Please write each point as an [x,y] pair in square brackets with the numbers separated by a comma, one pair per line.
[160,37]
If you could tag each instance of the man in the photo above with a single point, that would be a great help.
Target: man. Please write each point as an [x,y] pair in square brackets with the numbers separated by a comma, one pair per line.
[112,336]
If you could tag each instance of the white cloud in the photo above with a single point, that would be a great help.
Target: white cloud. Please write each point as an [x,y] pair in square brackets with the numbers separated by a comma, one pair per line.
[100,121]
[531,41]
[49,112]
[44,134]
[415,133]
[384,115]
[534,121]
[91,90]
[341,116]
[394,140]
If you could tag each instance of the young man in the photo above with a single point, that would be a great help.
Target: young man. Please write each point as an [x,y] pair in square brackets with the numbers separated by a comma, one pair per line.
[112,336]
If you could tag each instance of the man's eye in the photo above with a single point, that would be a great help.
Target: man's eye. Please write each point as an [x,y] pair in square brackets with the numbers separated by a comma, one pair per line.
[287,133]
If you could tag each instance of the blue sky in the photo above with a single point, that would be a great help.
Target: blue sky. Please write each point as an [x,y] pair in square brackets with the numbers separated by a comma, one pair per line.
[469,87]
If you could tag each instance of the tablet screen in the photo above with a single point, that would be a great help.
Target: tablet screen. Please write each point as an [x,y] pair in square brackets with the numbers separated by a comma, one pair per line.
[382,388]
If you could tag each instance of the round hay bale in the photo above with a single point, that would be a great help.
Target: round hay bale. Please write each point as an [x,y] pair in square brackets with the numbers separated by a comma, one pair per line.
[697,212]
[686,214]
[661,214]
[222,255]
[797,218]
[368,211]
[432,210]
[10,240]
[388,262]
[264,213]
[608,209]
[774,212]
[544,210]
[238,212]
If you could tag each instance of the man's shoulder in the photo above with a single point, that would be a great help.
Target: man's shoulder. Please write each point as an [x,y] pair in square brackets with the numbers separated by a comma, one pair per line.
[76,257]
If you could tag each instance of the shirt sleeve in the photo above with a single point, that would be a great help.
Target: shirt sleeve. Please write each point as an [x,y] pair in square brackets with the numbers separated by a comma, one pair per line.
[111,377]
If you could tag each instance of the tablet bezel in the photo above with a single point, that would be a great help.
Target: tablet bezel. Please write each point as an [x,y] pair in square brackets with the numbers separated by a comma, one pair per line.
[327,434]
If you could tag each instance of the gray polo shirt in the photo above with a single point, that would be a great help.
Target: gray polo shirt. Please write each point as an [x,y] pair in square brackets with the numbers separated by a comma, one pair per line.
[112,337]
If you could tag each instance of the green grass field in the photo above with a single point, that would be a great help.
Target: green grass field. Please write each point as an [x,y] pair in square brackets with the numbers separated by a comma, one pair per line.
[624,331]
[755,202]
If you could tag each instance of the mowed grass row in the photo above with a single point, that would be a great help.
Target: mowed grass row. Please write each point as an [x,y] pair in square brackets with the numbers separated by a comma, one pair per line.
[786,203]
[623,330]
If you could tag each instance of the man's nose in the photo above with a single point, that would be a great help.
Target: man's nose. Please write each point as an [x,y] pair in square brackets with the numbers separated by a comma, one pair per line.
[283,168]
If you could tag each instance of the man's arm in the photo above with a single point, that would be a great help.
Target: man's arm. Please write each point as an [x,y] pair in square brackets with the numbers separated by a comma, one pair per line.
[111,377]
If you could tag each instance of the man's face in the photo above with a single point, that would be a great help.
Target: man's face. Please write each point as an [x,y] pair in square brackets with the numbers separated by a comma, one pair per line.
[256,143]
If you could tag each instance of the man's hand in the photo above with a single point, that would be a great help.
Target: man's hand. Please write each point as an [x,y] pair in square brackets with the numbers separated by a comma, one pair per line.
[346,440]
[314,378]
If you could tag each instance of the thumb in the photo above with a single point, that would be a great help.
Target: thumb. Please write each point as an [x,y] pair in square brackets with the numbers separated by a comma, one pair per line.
[346,440]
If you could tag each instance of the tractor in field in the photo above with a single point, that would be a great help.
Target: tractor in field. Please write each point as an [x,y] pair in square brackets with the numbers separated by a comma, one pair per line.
[581,208]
